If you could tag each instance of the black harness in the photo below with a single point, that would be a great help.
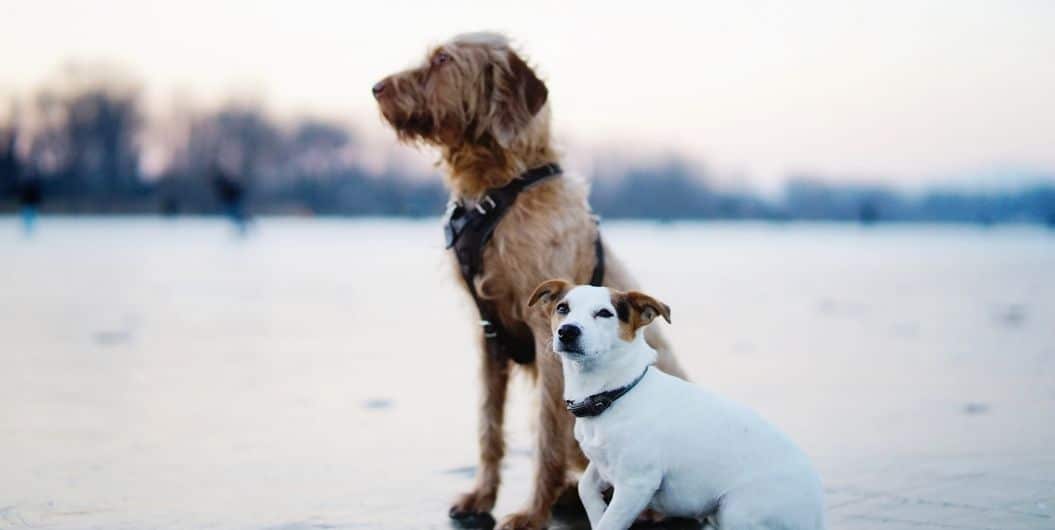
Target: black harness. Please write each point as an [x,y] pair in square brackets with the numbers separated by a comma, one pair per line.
[469,229]
[597,403]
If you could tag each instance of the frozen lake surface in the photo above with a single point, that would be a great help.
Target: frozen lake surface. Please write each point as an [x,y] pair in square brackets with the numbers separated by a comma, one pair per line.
[322,373]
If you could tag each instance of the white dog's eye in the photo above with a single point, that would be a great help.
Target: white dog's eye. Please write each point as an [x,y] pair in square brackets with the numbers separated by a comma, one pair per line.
[562,309]
[604,313]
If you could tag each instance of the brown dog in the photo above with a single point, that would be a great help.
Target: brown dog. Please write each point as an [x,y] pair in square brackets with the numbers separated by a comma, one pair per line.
[486,111]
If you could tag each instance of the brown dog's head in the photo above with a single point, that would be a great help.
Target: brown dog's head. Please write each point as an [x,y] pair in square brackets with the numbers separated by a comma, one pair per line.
[472,90]
[589,321]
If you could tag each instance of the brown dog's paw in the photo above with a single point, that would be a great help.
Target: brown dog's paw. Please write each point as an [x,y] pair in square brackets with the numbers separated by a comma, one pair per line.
[472,504]
[522,521]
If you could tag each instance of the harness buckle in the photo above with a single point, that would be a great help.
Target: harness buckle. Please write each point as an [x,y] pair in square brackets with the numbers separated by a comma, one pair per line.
[485,209]
[490,331]
[452,206]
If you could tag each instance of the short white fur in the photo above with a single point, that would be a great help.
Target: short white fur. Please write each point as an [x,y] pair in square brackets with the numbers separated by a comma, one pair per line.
[673,446]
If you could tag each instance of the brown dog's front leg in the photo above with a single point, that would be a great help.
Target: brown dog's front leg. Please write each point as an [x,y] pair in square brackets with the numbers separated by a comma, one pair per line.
[495,378]
[555,426]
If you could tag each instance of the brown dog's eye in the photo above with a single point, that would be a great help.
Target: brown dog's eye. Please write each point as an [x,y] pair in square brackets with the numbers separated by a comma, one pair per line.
[604,313]
[562,309]
[440,58]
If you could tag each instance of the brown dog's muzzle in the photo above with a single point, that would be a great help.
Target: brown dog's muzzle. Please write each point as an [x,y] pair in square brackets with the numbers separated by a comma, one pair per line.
[379,88]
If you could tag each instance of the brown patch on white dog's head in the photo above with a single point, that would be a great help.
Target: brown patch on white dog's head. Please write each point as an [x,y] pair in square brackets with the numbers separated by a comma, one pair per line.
[637,310]
[548,293]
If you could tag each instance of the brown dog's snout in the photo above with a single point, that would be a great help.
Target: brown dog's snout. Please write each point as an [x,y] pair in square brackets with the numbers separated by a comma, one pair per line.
[379,87]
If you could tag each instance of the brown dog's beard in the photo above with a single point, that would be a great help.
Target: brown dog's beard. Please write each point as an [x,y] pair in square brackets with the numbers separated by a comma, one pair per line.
[417,124]
[414,127]
[475,167]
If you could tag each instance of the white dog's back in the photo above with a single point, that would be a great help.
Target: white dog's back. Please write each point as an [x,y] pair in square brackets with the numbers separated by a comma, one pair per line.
[714,453]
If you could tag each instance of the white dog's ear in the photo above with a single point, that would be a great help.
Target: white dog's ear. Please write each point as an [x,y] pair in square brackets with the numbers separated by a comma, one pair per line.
[549,292]
[648,308]
[637,309]
[518,96]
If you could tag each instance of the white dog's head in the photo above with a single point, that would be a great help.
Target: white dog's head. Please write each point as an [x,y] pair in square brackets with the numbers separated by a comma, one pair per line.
[589,321]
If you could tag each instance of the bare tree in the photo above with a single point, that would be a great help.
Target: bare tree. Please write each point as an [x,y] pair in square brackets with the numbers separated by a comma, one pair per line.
[85,134]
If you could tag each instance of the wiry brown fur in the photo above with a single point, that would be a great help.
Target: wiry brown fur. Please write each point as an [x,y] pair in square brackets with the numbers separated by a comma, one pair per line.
[480,104]
[483,108]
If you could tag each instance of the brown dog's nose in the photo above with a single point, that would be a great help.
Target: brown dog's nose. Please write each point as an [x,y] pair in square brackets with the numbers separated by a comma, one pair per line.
[379,88]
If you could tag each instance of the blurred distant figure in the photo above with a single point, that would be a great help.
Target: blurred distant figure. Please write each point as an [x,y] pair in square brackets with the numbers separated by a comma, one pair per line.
[28,189]
[170,207]
[868,212]
[9,164]
[9,167]
[30,195]
[231,193]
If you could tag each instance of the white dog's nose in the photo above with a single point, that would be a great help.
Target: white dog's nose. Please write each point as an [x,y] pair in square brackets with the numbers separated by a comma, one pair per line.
[568,333]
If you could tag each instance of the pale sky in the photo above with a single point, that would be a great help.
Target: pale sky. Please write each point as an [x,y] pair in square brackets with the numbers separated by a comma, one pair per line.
[901,92]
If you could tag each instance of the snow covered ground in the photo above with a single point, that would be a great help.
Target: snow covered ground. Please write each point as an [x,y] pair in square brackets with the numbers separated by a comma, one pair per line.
[321,373]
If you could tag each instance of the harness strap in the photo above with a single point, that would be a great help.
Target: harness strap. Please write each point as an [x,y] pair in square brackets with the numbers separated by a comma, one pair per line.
[597,277]
[467,232]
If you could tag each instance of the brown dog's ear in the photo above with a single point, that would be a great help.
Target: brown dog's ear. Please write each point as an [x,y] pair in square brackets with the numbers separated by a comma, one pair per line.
[518,96]
[534,90]
[549,291]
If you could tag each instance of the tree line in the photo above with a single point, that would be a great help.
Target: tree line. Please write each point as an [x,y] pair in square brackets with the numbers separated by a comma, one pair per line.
[81,149]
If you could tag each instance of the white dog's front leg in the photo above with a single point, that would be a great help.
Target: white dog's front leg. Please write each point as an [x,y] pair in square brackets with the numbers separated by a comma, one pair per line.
[590,495]
[628,501]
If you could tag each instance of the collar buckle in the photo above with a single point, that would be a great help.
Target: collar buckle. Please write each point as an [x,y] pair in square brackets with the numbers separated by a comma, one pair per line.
[600,404]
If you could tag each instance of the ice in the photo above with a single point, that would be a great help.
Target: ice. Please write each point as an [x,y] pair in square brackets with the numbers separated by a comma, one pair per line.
[322,373]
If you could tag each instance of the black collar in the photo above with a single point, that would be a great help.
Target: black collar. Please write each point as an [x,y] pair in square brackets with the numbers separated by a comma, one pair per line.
[598,403]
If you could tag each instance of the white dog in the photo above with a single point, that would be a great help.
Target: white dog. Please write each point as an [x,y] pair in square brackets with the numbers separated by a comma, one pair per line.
[658,441]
